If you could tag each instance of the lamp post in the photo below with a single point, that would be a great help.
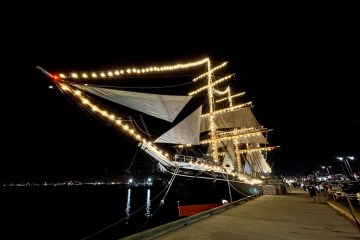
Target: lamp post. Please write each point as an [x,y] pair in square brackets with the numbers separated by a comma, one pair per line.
[342,159]
[346,160]
[342,168]
[327,169]
[347,164]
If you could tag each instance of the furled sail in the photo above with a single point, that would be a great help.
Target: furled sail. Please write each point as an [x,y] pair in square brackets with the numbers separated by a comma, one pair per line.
[247,168]
[164,107]
[186,132]
[258,161]
[229,154]
[240,118]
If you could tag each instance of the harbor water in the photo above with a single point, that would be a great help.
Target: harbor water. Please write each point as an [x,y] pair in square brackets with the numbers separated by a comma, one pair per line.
[82,212]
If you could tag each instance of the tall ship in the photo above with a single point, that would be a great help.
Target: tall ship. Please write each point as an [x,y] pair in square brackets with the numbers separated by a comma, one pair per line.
[204,139]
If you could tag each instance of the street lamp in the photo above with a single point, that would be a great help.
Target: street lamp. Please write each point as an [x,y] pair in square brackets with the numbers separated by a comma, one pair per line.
[347,165]
[342,159]
[346,160]
[327,169]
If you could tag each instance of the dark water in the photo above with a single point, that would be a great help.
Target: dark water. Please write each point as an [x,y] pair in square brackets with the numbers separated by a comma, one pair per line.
[81,212]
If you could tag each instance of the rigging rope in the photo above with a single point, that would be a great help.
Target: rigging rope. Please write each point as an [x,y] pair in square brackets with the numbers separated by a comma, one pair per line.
[163,199]
[245,193]
[139,128]
[171,181]
[147,131]
[132,161]
[133,87]
[228,182]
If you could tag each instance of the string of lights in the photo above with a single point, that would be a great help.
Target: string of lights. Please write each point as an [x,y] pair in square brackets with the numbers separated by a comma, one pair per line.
[131,71]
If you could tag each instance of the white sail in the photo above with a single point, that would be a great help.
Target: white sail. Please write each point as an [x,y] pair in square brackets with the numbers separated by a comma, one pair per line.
[164,107]
[186,132]
[230,155]
[257,160]
[240,118]
[247,168]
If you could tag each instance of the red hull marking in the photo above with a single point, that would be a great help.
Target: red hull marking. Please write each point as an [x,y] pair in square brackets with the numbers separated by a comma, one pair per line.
[188,210]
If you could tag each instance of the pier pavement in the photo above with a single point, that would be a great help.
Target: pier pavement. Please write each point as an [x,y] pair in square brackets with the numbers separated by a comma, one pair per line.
[290,216]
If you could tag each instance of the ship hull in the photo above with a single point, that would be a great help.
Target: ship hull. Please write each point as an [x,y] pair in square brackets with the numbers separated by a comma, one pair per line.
[197,191]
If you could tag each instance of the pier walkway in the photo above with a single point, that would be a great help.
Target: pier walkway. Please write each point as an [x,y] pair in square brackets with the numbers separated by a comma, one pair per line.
[291,216]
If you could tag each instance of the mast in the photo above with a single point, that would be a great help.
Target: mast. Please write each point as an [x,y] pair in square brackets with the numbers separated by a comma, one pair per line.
[211,105]
[236,144]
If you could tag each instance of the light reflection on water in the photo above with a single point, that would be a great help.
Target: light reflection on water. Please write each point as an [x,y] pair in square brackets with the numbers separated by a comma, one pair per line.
[148,204]
[128,206]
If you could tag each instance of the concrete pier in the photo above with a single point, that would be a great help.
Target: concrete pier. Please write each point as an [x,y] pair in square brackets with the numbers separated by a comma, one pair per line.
[291,216]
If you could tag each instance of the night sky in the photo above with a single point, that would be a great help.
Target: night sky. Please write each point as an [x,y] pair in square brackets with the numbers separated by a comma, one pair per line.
[300,70]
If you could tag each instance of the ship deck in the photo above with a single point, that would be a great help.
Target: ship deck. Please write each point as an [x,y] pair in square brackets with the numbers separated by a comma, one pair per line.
[294,215]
